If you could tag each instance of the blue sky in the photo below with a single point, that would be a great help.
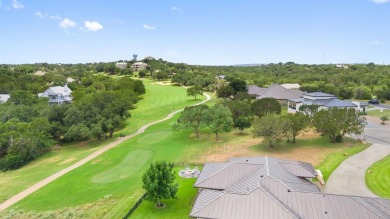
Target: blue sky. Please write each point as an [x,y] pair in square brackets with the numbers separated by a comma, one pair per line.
[202,32]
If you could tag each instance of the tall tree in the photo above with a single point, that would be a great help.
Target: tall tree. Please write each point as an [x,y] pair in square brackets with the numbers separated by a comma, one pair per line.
[266,106]
[295,124]
[219,119]
[335,123]
[194,91]
[270,127]
[159,182]
[192,117]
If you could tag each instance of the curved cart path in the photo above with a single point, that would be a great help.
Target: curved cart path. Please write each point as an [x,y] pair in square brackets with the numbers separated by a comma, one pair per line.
[55,176]
[349,178]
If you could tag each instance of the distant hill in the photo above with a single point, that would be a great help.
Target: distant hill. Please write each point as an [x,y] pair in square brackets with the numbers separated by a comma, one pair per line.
[259,64]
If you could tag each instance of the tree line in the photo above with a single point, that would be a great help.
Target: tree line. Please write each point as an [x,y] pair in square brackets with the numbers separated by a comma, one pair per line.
[30,126]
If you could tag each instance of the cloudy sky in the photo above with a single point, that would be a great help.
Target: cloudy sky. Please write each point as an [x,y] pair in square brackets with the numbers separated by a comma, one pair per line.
[195,31]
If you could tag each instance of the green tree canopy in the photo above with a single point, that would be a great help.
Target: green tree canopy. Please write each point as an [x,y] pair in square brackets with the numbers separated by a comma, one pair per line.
[266,106]
[219,119]
[194,91]
[335,123]
[159,182]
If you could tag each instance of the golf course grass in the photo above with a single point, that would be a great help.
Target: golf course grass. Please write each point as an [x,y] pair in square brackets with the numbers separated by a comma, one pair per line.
[156,104]
[378,177]
[174,208]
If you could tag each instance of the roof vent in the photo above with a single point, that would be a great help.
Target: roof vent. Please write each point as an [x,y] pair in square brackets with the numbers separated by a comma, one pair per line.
[324,196]
[262,176]
[247,160]
[288,190]
[326,212]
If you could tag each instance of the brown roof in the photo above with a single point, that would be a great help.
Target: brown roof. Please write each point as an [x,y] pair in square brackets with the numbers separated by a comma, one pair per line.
[265,187]
[253,89]
[278,92]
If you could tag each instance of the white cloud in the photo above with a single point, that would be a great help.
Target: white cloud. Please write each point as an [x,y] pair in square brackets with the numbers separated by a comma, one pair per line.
[67,23]
[379,1]
[92,25]
[44,15]
[149,27]
[40,14]
[173,8]
[17,5]
[55,17]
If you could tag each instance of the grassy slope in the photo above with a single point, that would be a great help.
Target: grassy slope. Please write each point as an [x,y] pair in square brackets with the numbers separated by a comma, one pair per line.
[175,208]
[378,177]
[333,160]
[149,109]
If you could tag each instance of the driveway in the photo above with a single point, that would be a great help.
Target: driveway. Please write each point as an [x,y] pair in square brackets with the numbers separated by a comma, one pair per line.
[349,177]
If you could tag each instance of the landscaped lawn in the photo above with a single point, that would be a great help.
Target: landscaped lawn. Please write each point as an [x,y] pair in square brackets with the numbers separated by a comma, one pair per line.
[333,160]
[157,103]
[378,177]
[175,208]
[378,114]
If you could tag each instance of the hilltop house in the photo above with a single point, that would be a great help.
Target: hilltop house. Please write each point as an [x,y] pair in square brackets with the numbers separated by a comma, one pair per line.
[138,66]
[291,86]
[58,94]
[265,187]
[121,65]
[276,91]
[323,101]
[4,98]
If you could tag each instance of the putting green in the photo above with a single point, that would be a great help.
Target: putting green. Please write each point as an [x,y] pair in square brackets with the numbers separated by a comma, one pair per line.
[154,137]
[133,162]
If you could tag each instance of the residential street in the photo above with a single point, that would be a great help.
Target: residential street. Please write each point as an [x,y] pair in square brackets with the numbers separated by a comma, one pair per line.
[349,177]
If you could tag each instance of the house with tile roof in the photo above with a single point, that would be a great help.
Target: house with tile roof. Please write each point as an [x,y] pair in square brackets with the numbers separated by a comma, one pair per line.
[323,101]
[58,95]
[266,187]
[275,91]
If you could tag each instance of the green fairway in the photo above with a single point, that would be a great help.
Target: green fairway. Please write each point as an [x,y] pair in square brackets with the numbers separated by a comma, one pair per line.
[157,103]
[378,177]
[91,182]
[174,208]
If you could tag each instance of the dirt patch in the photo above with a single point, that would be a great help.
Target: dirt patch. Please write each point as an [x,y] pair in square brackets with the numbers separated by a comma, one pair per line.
[247,148]
[163,83]
[67,161]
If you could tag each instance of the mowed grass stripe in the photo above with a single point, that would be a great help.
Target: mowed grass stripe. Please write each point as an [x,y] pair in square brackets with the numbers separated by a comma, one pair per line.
[378,177]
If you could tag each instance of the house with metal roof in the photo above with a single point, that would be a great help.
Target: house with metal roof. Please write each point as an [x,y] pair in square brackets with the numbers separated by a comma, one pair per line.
[275,91]
[58,94]
[265,187]
[323,101]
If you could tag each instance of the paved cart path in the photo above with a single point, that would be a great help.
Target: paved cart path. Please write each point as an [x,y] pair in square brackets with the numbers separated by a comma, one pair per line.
[349,178]
[55,176]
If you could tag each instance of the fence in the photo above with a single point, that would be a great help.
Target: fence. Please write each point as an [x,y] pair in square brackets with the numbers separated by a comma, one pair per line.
[135,206]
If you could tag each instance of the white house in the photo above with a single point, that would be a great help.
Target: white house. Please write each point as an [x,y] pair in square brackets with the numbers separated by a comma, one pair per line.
[58,95]
[323,101]
[4,98]
[138,66]
[121,65]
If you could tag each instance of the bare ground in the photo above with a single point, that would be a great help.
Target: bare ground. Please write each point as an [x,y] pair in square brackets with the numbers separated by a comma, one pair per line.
[247,148]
